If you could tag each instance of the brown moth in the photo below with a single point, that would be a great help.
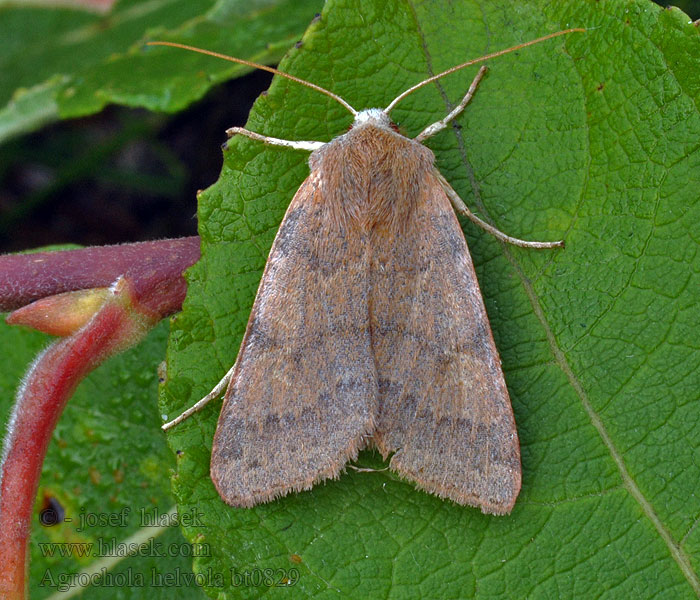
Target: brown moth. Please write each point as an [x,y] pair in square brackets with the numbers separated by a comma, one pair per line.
[369,329]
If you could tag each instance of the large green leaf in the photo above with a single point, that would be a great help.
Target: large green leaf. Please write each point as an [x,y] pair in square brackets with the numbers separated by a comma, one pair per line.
[593,138]
[64,63]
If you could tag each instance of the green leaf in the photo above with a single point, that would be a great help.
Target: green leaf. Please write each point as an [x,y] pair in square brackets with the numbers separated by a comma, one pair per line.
[64,63]
[593,138]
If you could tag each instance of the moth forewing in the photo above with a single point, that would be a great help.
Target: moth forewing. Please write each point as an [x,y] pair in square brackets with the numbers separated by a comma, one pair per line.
[302,396]
[443,403]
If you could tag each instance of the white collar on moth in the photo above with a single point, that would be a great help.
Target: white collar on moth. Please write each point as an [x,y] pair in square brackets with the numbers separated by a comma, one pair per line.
[373,116]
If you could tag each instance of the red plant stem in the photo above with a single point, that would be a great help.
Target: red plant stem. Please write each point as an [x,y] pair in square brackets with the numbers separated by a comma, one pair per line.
[151,288]
[28,277]
[49,384]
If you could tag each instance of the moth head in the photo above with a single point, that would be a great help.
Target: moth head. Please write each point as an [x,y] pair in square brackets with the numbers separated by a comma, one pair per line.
[373,116]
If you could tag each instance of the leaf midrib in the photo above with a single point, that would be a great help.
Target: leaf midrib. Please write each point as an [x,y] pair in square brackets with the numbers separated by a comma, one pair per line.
[142,536]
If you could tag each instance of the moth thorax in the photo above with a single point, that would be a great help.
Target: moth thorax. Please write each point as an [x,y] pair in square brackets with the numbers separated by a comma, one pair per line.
[373,116]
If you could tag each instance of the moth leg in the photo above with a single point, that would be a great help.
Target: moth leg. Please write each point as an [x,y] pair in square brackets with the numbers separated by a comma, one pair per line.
[431,130]
[199,405]
[462,209]
[297,145]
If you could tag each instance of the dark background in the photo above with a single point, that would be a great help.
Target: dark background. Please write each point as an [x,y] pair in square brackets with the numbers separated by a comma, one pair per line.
[124,175]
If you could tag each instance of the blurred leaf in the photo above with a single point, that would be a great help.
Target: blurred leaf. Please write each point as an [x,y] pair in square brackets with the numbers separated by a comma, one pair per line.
[65,63]
[592,138]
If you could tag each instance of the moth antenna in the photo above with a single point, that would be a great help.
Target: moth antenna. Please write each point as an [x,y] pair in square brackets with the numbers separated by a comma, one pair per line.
[249,63]
[474,61]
